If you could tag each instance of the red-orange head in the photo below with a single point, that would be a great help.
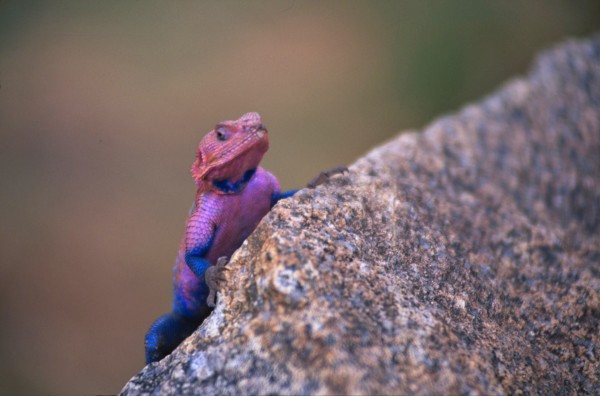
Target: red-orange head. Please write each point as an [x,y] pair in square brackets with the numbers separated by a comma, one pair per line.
[231,149]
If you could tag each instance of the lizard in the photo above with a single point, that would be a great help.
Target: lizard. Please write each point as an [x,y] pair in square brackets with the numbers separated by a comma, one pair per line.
[233,194]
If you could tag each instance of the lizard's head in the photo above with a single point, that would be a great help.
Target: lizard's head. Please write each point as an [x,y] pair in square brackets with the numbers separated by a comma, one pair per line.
[231,149]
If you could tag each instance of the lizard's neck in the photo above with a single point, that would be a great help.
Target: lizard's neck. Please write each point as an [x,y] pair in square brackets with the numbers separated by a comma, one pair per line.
[228,186]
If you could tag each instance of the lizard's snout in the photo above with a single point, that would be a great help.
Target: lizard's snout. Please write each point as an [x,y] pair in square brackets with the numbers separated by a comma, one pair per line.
[261,131]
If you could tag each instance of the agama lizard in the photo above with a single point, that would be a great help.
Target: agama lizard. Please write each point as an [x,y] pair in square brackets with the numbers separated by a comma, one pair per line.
[233,195]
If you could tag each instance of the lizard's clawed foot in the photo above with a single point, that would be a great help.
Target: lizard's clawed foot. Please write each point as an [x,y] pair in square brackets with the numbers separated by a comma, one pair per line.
[214,277]
[324,176]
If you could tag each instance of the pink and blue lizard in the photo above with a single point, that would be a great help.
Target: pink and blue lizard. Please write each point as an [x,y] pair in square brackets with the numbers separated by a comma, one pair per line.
[233,195]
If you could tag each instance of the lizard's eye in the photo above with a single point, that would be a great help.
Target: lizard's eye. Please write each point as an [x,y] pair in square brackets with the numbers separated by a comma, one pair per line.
[221,134]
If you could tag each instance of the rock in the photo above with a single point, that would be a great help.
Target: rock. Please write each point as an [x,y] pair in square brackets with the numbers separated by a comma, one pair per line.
[463,259]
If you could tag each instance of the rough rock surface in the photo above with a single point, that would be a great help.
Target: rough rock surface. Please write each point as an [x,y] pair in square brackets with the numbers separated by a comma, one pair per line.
[463,259]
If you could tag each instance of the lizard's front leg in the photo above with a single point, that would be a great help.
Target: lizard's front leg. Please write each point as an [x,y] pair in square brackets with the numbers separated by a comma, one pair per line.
[213,277]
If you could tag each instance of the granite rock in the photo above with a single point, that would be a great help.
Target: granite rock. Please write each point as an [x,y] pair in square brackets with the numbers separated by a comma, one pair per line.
[461,259]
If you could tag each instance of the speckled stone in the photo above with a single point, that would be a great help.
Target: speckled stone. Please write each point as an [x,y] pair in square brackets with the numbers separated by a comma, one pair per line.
[463,259]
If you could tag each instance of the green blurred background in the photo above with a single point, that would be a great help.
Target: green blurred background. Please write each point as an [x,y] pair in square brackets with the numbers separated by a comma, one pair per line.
[102,104]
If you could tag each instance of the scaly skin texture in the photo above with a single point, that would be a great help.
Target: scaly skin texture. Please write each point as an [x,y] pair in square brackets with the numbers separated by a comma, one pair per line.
[233,195]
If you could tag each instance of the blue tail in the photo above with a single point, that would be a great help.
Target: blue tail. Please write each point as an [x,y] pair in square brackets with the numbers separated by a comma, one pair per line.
[166,333]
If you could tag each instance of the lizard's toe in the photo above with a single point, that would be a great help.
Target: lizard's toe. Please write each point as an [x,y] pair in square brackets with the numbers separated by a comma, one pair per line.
[222,261]
[211,299]
[324,176]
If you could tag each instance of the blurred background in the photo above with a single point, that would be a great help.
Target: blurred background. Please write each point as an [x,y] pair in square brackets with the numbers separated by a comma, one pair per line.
[102,104]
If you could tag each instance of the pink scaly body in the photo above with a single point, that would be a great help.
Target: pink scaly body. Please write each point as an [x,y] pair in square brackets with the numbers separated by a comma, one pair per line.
[236,215]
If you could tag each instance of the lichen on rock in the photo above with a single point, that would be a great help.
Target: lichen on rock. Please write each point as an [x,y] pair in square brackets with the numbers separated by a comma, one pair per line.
[462,259]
